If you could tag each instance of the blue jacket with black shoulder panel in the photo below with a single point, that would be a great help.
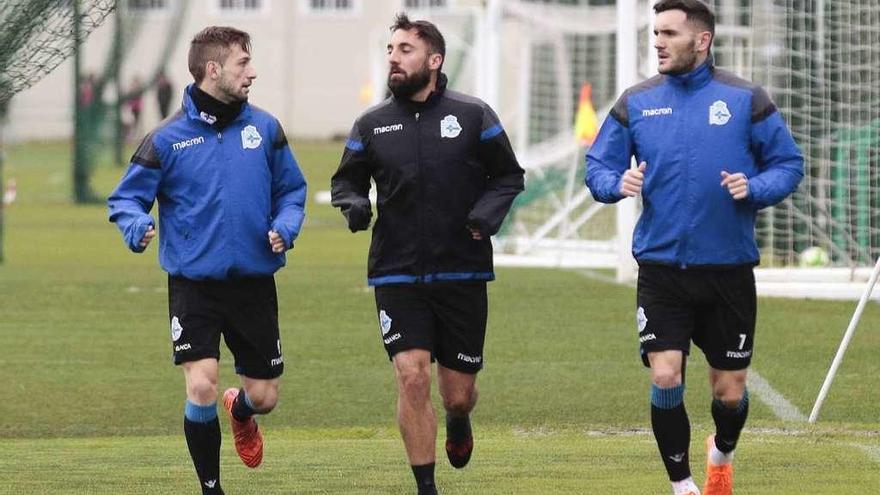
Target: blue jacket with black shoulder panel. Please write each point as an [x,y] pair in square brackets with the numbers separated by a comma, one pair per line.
[689,128]
[219,194]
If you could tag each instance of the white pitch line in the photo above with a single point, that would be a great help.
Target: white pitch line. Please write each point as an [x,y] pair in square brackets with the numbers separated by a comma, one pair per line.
[781,407]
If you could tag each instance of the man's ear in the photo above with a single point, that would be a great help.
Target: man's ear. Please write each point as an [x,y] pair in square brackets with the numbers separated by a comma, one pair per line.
[212,70]
[704,40]
[435,60]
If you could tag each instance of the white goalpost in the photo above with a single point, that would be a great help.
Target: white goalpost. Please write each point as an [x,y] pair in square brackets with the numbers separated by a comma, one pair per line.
[844,344]
[551,52]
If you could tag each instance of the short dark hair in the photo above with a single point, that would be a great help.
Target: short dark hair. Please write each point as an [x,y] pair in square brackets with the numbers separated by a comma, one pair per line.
[697,12]
[426,31]
[212,44]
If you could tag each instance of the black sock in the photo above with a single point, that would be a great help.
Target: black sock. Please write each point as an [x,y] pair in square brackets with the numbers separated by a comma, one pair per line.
[240,408]
[203,440]
[458,428]
[672,430]
[729,422]
[425,479]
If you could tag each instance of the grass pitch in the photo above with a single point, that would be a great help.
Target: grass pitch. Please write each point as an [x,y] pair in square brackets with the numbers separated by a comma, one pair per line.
[92,404]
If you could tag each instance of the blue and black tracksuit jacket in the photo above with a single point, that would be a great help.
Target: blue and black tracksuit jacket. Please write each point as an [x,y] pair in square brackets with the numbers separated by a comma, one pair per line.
[688,129]
[220,192]
[439,167]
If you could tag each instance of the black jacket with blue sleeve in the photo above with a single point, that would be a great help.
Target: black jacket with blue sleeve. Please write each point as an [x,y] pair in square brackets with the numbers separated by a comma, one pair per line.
[440,167]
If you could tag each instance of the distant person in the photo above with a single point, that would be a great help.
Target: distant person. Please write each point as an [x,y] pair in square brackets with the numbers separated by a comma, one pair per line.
[11,192]
[135,105]
[231,200]
[446,177]
[87,90]
[164,91]
[712,151]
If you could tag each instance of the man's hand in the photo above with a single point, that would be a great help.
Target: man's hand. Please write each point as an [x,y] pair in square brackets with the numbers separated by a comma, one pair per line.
[633,178]
[475,234]
[359,216]
[148,236]
[737,184]
[276,242]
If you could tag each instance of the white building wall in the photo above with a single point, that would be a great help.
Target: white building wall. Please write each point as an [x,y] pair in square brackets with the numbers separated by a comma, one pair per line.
[311,69]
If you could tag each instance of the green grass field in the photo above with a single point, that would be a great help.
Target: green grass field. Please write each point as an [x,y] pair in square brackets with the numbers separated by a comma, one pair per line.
[93,404]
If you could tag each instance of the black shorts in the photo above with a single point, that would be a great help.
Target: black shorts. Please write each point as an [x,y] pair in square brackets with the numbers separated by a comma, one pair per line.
[714,308]
[244,310]
[446,318]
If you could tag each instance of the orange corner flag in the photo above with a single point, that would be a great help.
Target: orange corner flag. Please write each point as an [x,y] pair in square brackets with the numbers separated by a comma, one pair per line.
[586,124]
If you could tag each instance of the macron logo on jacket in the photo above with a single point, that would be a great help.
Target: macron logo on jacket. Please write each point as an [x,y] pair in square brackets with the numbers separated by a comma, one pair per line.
[653,112]
[387,128]
[187,143]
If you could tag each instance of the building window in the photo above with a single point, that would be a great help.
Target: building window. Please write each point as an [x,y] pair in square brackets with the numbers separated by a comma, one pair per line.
[145,5]
[324,5]
[149,9]
[330,8]
[591,3]
[242,6]
[425,4]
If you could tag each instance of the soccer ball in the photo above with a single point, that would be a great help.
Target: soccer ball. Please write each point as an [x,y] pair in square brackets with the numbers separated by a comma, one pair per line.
[813,257]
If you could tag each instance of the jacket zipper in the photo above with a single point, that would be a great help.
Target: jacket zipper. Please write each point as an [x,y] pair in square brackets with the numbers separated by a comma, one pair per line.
[689,204]
[222,187]
[421,221]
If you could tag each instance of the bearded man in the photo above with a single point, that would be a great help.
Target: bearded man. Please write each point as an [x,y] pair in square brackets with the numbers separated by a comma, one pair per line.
[445,179]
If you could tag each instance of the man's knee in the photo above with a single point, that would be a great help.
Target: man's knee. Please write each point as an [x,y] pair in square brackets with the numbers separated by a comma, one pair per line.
[728,386]
[201,380]
[263,399]
[729,393]
[414,381]
[666,377]
[201,390]
[666,368]
[262,395]
[461,401]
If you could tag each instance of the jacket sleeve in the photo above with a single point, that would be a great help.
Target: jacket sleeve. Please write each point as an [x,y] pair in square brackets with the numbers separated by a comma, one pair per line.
[505,176]
[779,160]
[350,185]
[130,203]
[288,189]
[610,155]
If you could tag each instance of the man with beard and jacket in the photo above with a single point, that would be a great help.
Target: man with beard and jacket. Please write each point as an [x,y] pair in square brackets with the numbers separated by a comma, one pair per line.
[231,200]
[712,151]
[446,177]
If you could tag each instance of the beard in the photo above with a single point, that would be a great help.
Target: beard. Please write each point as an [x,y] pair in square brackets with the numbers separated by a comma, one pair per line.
[231,91]
[686,62]
[411,83]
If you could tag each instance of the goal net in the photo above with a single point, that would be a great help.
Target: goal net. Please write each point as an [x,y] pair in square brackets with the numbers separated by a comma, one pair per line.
[820,62]
[36,36]
[551,51]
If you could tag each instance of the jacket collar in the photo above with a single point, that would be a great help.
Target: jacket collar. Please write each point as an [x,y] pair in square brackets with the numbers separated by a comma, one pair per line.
[193,113]
[696,78]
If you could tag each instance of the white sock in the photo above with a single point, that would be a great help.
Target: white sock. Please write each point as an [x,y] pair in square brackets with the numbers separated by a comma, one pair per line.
[686,485]
[718,458]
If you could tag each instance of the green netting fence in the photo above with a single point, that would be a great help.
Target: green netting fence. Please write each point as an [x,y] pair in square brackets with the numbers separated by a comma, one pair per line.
[36,36]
